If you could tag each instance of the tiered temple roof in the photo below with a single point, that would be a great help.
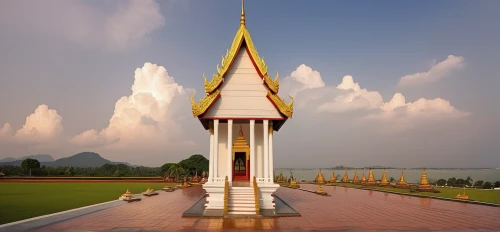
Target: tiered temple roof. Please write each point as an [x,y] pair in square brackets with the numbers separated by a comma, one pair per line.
[384,181]
[242,38]
[402,182]
[371,179]
[355,179]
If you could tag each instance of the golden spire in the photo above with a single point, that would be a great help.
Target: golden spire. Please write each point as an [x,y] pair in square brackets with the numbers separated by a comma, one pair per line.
[345,179]
[355,179]
[402,182]
[423,179]
[384,181]
[333,178]
[320,179]
[371,179]
[363,178]
[242,19]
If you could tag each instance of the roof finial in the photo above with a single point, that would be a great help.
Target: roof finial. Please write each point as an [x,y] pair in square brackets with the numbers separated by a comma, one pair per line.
[242,19]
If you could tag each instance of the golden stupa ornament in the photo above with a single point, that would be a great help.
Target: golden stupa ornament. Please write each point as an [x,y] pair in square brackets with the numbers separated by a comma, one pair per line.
[371,179]
[333,179]
[211,87]
[384,181]
[356,179]
[320,179]
[345,179]
[424,185]
[462,196]
[402,182]
[363,179]
[128,196]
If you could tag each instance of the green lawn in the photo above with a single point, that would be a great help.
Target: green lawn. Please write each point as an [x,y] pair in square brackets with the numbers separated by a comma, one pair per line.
[490,196]
[19,201]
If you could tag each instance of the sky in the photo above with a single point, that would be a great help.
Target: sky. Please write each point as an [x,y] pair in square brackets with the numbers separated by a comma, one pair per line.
[404,84]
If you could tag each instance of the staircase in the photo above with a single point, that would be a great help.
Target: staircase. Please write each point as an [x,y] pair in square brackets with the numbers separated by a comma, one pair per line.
[241,201]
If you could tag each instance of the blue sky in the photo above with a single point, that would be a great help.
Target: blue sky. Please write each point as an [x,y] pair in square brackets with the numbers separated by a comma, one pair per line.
[59,53]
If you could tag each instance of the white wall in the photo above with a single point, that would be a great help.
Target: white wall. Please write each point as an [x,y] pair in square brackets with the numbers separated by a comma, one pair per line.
[243,94]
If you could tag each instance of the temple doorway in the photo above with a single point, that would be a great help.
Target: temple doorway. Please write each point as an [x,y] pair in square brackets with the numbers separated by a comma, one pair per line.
[240,166]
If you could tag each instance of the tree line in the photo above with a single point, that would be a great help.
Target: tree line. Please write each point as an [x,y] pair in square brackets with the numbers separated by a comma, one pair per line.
[454,182]
[186,167]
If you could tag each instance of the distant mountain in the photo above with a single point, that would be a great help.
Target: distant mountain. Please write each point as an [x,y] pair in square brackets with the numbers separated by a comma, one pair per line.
[83,159]
[40,158]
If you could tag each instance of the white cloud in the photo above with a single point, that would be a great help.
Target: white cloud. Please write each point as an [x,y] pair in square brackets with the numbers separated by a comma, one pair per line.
[144,119]
[44,125]
[314,96]
[119,25]
[436,73]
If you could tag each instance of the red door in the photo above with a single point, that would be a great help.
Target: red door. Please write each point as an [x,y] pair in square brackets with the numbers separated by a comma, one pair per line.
[240,166]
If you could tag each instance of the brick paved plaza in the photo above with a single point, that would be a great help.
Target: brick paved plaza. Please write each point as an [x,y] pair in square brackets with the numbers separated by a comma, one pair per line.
[345,209]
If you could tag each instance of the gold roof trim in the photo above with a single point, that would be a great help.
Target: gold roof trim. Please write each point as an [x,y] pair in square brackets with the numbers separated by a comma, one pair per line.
[205,102]
[262,69]
[241,34]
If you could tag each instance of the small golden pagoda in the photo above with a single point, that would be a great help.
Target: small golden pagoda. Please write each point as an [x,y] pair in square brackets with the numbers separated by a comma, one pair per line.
[293,183]
[333,179]
[356,179]
[371,179]
[320,179]
[402,182]
[363,179]
[345,179]
[462,196]
[168,189]
[384,181]
[128,196]
[424,185]
[281,178]
[149,192]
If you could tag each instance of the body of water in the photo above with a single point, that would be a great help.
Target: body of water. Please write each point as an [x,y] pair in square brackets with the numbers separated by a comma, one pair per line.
[411,175]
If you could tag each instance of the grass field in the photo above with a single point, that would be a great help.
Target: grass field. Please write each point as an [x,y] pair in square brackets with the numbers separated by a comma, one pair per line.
[19,201]
[490,196]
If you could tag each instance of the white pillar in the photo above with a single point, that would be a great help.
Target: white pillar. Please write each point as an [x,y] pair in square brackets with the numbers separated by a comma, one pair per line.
[271,163]
[230,149]
[266,148]
[253,160]
[216,148]
[211,168]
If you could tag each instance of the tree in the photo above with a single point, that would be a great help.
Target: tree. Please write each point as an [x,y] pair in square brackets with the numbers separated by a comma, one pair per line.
[460,182]
[487,185]
[29,164]
[441,182]
[176,171]
[194,163]
[479,183]
[452,181]
[469,181]
[391,179]
[164,168]
[70,171]
[497,184]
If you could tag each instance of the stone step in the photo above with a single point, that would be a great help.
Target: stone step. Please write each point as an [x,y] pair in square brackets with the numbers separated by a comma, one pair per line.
[242,206]
[242,201]
[242,212]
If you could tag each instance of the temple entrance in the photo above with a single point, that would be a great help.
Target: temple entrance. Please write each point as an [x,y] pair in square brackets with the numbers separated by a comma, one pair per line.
[241,158]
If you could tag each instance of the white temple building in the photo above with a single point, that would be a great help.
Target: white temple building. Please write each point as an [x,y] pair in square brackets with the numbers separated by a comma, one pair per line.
[241,110]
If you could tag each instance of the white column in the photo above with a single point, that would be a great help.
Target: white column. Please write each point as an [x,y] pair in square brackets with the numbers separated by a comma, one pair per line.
[216,148]
[253,160]
[211,168]
[230,149]
[271,163]
[266,148]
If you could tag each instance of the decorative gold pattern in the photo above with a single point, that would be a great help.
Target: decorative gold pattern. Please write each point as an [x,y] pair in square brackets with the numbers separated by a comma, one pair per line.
[217,79]
[256,196]
[285,109]
[205,102]
[226,197]
[241,145]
